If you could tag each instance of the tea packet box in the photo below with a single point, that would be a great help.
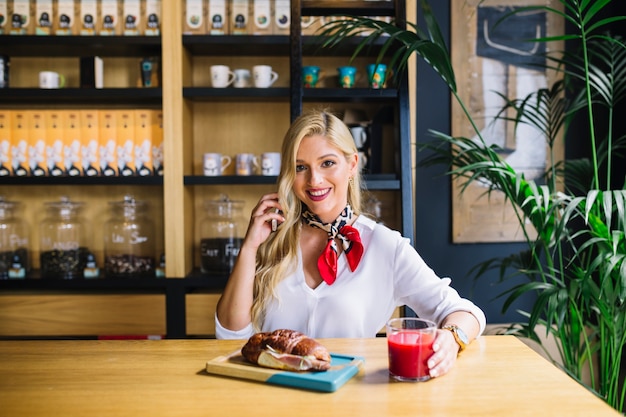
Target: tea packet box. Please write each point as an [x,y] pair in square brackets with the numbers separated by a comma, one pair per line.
[107,142]
[37,141]
[109,23]
[64,18]
[72,142]
[44,17]
[5,143]
[55,142]
[239,17]
[89,142]
[20,18]
[194,16]
[143,142]
[126,143]
[19,142]
[261,17]
[217,21]
[131,17]
[4,12]
[152,18]
[282,17]
[88,17]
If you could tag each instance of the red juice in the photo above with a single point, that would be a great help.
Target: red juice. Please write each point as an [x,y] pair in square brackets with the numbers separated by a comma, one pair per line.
[409,351]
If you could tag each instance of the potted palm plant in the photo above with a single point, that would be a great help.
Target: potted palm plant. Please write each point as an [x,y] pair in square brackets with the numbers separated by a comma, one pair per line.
[573,218]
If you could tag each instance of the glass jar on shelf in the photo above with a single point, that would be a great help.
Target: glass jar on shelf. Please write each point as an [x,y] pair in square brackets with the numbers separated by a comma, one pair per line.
[222,232]
[14,241]
[64,240]
[129,242]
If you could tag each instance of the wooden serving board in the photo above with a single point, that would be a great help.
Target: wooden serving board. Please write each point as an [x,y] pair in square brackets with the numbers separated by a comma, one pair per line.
[343,367]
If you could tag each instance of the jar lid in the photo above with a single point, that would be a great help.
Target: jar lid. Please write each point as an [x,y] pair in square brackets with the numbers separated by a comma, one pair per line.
[129,201]
[129,206]
[64,203]
[223,205]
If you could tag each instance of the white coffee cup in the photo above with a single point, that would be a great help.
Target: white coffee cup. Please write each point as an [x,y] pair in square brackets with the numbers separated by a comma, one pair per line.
[263,76]
[246,163]
[221,76]
[359,133]
[270,163]
[242,78]
[51,80]
[215,164]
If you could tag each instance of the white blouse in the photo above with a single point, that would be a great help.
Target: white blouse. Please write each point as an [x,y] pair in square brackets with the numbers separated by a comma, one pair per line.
[358,304]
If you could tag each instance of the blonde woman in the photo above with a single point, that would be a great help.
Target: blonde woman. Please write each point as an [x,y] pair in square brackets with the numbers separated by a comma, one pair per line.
[327,270]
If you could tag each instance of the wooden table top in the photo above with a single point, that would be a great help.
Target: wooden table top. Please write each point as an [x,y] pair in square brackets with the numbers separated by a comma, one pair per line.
[495,376]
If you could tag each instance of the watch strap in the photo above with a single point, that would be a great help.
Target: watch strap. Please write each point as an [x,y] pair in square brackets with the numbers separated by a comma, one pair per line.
[461,339]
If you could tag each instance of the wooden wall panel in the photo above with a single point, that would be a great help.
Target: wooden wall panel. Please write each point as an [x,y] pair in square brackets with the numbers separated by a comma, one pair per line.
[82,315]
[200,314]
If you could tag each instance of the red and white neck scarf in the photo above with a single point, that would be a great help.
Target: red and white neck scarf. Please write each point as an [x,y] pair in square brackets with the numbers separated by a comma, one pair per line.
[350,240]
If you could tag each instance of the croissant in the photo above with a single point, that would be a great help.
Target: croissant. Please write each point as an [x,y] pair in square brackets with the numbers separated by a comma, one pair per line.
[286,349]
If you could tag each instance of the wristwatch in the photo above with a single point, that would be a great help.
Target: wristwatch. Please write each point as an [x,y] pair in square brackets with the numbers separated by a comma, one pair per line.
[459,335]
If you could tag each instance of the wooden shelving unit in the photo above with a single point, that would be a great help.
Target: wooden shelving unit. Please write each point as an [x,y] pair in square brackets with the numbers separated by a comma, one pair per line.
[196,119]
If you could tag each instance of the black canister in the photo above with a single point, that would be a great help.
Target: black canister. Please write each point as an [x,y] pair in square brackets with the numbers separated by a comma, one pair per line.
[222,232]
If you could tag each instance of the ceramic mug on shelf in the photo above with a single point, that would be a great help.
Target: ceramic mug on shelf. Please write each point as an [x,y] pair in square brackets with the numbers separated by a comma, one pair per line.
[246,164]
[347,76]
[215,163]
[4,71]
[310,76]
[263,76]
[51,80]
[242,78]
[270,163]
[221,76]
[376,74]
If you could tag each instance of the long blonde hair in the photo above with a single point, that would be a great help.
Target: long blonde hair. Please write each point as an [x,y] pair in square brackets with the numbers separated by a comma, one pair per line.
[276,258]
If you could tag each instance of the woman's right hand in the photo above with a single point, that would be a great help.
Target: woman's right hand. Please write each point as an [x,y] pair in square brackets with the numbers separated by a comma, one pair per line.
[260,226]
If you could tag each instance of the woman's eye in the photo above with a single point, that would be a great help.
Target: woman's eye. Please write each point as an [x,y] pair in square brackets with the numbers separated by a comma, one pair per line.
[327,164]
[300,168]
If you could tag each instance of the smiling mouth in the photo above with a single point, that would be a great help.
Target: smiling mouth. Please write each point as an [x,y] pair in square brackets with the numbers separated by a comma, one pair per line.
[318,194]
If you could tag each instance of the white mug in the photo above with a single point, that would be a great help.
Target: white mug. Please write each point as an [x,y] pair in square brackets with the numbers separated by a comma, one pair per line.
[221,76]
[263,75]
[359,133]
[51,79]
[245,164]
[215,164]
[242,78]
[270,163]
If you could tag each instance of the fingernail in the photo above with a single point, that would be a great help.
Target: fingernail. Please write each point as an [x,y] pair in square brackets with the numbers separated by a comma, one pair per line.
[433,373]
[431,364]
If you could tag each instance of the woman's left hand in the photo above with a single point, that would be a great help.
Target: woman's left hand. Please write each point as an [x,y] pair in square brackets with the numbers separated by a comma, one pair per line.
[445,350]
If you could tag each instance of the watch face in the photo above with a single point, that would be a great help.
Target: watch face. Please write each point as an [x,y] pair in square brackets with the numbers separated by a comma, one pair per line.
[462,336]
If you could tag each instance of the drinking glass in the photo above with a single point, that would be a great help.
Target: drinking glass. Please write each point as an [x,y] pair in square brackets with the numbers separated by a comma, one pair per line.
[410,343]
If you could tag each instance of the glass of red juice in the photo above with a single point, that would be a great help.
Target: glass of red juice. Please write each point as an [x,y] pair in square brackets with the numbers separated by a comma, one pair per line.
[410,342]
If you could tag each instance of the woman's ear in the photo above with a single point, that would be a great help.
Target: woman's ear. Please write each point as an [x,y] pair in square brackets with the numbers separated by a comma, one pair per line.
[354,164]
